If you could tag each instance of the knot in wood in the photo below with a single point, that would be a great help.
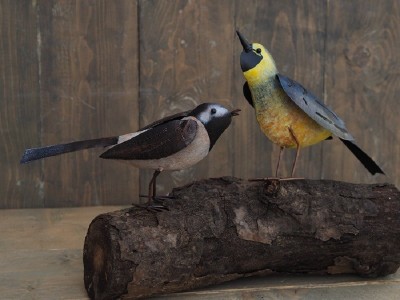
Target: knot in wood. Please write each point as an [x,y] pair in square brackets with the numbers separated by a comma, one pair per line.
[272,187]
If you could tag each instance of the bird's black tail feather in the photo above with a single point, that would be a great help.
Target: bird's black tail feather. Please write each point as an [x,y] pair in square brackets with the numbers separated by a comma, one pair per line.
[363,157]
[39,153]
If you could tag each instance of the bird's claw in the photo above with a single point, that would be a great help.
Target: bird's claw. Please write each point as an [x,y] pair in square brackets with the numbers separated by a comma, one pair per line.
[162,198]
[157,208]
[276,178]
[159,198]
[265,179]
[151,207]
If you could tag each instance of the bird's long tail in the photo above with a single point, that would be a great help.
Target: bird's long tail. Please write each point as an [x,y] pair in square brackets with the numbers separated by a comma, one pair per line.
[363,157]
[39,153]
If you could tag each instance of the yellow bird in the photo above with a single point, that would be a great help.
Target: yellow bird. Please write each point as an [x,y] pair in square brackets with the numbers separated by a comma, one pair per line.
[288,114]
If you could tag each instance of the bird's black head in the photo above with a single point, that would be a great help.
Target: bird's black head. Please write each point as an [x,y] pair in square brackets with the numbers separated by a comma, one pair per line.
[250,57]
[215,119]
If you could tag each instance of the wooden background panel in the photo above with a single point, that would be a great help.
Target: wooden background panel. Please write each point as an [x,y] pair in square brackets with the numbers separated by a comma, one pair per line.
[88,89]
[186,59]
[19,103]
[294,34]
[71,70]
[363,84]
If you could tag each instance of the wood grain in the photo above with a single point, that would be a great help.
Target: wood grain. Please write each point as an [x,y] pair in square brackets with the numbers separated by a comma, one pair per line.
[41,258]
[185,60]
[89,84]
[217,230]
[19,102]
[294,34]
[362,85]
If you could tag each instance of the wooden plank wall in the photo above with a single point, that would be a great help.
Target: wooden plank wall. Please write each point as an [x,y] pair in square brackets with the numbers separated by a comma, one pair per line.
[84,69]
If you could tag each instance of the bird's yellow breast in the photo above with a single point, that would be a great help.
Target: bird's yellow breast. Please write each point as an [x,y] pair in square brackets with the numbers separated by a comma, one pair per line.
[276,113]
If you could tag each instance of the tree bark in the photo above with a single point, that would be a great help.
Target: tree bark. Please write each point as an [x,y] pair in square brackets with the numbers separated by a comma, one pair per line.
[218,230]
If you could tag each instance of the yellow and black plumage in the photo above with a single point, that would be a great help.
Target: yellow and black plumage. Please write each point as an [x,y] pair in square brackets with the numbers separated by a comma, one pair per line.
[288,114]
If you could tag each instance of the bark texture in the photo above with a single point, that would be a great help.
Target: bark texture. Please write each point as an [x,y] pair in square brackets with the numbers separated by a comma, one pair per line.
[218,230]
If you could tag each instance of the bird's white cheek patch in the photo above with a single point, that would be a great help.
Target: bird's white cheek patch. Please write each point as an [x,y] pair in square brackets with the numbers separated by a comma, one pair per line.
[221,112]
[204,117]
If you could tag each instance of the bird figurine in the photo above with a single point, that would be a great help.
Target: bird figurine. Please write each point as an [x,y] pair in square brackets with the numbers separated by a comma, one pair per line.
[287,113]
[175,142]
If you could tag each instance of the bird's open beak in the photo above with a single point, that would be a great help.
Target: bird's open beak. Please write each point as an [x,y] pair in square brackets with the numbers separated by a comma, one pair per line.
[235,112]
[245,44]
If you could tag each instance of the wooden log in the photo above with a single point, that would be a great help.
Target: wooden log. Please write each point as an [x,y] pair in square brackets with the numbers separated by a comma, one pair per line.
[218,230]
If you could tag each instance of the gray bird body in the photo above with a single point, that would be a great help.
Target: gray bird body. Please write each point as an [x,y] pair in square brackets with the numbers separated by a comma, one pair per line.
[173,143]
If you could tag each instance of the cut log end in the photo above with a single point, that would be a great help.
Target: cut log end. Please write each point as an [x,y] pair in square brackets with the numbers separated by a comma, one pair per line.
[222,229]
[105,275]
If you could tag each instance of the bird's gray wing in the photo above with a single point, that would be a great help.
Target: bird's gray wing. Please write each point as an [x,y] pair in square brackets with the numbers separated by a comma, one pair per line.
[155,143]
[314,108]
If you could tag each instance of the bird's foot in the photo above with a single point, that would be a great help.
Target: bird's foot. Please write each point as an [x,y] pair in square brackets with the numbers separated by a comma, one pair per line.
[291,178]
[155,204]
[276,178]
[159,198]
[264,179]
[151,207]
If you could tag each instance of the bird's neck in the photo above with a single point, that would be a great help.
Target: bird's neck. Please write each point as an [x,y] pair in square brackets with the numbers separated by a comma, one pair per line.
[261,73]
[266,93]
[215,129]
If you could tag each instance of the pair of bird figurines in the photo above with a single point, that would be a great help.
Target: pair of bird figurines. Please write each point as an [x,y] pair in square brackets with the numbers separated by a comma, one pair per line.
[288,114]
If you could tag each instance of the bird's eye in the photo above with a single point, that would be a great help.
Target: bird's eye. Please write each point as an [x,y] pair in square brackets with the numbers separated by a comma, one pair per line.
[258,50]
[213,111]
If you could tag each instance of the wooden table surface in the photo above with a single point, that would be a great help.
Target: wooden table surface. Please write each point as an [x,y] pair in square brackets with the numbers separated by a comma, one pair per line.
[41,258]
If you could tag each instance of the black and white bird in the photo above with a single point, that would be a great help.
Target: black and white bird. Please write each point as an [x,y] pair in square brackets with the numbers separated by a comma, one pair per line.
[173,143]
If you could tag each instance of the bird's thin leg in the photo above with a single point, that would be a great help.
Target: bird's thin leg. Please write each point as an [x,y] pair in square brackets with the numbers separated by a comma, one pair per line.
[153,187]
[276,170]
[297,150]
[155,184]
[279,160]
[277,165]
[152,192]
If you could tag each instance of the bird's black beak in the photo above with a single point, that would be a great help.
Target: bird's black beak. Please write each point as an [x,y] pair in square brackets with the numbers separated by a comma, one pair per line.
[245,44]
[235,112]
[248,58]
